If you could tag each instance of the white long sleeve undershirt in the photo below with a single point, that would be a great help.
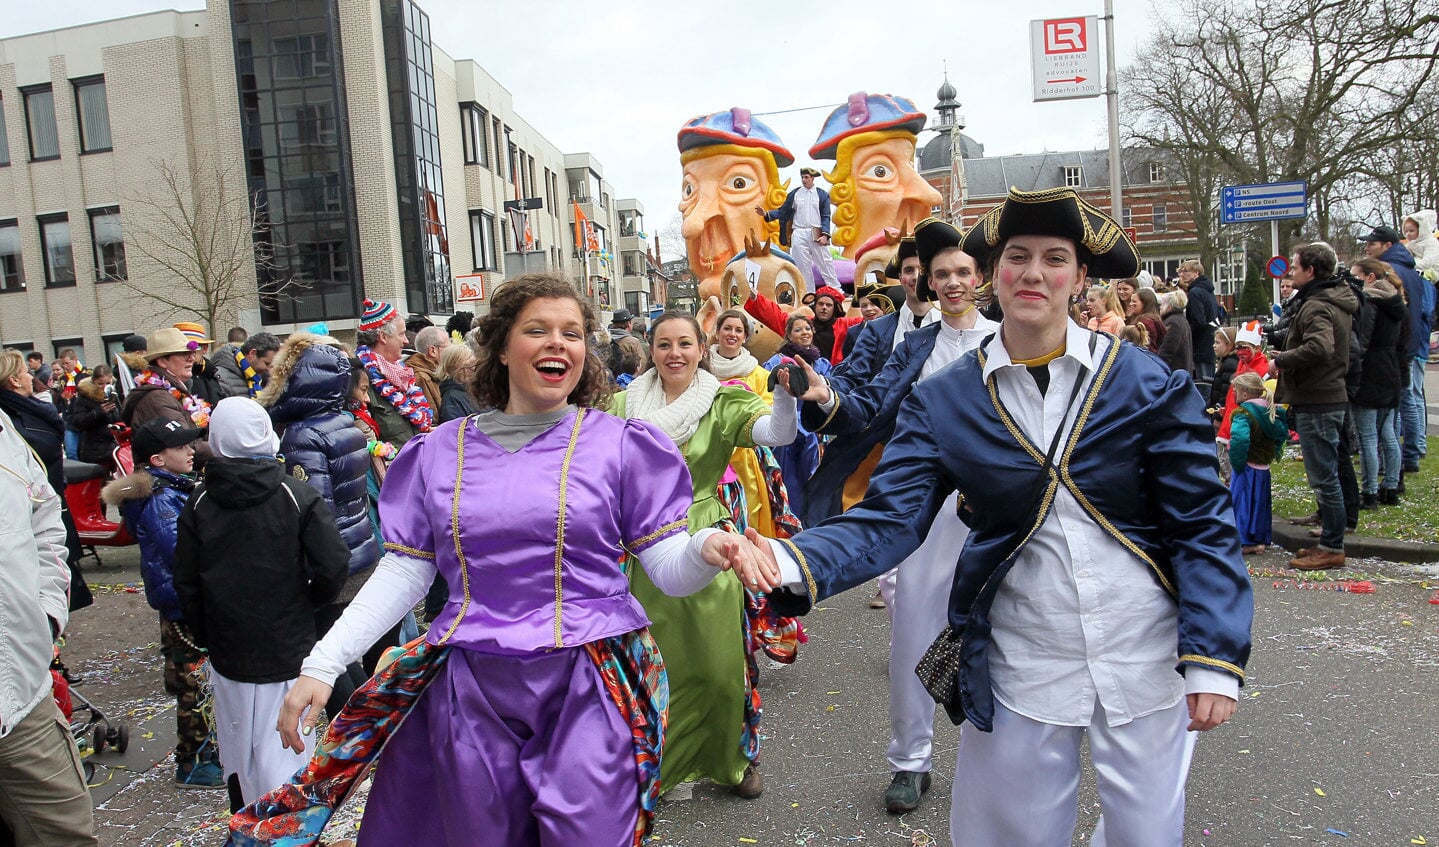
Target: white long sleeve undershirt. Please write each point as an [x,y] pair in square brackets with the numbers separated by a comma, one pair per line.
[675,565]
[779,427]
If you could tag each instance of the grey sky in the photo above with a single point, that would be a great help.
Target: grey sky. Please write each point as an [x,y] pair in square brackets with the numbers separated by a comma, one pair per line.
[662,62]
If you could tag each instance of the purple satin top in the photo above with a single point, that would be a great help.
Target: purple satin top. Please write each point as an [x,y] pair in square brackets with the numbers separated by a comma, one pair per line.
[541,531]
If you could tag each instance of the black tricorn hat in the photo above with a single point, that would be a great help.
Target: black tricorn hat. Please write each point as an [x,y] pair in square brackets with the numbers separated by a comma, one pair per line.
[887,297]
[1059,212]
[932,236]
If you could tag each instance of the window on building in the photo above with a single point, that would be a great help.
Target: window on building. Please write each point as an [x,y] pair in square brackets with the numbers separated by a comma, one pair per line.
[482,238]
[40,121]
[93,108]
[109,241]
[633,263]
[513,161]
[302,56]
[59,345]
[4,140]
[604,199]
[308,125]
[1073,176]
[1161,218]
[59,259]
[1126,217]
[1156,172]
[499,138]
[474,127]
[12,268]
[631,223]
[549,190]
[530,178]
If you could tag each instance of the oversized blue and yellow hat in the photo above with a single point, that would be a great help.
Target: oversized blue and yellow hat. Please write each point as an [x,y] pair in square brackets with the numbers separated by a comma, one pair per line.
[865,113]
[733,126]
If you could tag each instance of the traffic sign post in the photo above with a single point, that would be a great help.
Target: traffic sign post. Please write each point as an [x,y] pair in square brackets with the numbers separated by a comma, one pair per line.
[1239,204]
[1277,267]
[1064,56]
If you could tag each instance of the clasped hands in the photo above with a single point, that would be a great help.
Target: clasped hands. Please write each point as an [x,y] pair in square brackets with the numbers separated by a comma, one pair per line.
[748,555]
[817,390]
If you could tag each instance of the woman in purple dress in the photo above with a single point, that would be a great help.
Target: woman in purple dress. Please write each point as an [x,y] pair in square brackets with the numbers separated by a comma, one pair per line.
[543,725]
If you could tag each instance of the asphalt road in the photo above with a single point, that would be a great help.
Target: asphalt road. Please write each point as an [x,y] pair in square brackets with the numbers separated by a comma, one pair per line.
[1341,700]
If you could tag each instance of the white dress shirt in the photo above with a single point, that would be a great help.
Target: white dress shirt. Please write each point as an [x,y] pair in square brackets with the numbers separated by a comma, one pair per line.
[806,207]
[953,343]
[1078,617]
[906,323]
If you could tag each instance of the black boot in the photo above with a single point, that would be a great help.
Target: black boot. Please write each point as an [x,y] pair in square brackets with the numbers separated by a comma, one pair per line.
[1389,496]
[1368,501]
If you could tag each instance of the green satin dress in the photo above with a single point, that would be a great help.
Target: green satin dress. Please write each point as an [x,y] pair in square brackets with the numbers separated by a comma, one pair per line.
[702,636]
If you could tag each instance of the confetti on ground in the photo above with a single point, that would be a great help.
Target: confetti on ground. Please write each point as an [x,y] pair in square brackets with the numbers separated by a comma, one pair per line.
[1320,792]
[1339,832]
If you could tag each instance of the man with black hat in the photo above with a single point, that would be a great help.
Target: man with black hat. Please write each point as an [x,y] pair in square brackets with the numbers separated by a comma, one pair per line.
[1091,573]
[804,229]
[920,599]
[1383,244]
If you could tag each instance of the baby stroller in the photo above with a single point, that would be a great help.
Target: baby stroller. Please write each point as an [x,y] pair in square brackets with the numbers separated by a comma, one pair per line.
[93,731]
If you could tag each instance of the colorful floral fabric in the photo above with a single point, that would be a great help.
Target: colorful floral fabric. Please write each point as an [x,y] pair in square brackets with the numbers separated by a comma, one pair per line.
[410,402]
[634,675]
[294,815]
[196,408]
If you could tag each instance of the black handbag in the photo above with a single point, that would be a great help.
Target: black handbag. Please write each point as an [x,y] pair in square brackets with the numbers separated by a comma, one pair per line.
[938,668]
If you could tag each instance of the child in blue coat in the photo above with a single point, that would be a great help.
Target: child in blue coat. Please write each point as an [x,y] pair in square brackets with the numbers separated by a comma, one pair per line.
[151,499]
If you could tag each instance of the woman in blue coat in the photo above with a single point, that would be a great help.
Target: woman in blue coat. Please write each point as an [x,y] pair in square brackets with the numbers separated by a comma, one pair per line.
[308,389]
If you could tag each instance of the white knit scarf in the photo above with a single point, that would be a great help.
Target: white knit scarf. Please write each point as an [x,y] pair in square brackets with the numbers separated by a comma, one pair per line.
[740,366]
[645,400]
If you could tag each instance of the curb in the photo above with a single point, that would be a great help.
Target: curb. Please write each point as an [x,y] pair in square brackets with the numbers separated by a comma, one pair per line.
[1292,537]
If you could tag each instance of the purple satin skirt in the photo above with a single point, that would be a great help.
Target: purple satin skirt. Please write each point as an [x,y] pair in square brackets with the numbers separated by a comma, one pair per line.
[505,751]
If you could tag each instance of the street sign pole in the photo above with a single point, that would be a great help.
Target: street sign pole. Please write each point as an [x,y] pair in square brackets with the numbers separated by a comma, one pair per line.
[1111,84]
[1274,251]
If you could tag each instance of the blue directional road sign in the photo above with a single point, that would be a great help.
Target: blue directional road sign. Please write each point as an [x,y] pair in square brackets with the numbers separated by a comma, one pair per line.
[1272,201]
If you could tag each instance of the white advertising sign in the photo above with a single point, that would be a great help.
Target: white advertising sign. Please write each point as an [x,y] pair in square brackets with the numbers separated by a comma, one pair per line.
[1064,53]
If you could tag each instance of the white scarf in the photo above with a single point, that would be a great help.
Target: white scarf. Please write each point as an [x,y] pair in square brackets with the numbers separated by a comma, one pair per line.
[645,401]
[740,366]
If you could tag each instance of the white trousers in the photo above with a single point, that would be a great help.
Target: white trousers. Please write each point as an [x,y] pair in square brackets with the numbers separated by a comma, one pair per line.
[919,612]
[887,582]
[245,718]
[1019,784]
[808,253]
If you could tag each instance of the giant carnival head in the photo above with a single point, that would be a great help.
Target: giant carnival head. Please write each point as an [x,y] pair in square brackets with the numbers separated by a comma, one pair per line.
[731,164]
[874,184]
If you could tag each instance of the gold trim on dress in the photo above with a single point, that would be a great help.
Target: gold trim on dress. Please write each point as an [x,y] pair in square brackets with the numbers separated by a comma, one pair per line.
[408,551]
[747,432]
[455,534]
[664,530]
[1192,658]
[832,412]
[560,527]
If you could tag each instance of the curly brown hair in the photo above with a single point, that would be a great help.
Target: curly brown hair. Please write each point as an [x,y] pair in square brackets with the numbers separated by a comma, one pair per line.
[491,385]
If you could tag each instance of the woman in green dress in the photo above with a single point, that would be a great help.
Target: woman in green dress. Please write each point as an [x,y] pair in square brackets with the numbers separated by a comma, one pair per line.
[714,710]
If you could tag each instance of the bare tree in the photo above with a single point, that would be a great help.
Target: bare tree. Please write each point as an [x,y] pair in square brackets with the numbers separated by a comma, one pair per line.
[207,236]
[1278,90]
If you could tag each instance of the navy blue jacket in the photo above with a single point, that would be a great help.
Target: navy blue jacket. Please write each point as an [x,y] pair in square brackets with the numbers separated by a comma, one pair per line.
[785,215]
[321,445]
[864,415]
[151,501]
[874,341]
[1420,294]
[1141,460]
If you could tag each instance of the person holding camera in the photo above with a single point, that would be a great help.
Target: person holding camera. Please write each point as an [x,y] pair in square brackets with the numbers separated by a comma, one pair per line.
[94,409]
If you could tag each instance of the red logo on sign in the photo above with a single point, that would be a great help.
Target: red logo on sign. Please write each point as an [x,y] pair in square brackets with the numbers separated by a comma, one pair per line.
[1065,35]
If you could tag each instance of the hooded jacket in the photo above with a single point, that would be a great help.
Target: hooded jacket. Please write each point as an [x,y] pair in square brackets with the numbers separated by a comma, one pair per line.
[1425,248]
[151,501]
[1315,358]
[1382,330]
[1420,294]
[253,604]
[89,418]
[309,384]
[33,581]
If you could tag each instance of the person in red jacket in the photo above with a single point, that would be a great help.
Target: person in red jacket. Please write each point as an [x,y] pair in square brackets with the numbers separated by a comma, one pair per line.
[830,324]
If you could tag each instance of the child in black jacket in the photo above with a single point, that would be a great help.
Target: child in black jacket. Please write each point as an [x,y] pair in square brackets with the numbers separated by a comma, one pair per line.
[257,552]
